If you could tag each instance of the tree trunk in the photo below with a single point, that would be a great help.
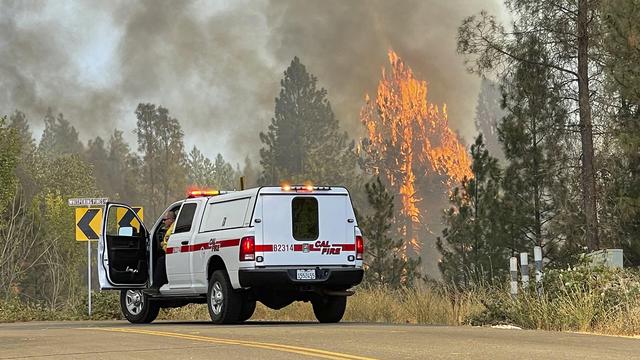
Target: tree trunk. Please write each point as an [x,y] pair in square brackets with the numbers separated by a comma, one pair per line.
[586,130]
[537,179]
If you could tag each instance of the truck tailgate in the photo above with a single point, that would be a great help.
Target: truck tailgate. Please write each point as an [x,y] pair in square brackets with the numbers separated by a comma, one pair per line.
[306,230]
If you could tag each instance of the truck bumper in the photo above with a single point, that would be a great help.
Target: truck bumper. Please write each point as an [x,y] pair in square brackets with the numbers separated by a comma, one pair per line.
[325,277]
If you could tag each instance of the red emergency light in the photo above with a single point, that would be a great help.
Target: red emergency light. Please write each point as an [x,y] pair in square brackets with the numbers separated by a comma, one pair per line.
[304,188]
[202,193]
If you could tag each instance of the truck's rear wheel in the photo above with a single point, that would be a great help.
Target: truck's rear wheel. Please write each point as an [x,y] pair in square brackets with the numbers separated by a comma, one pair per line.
[137,307]
[329,309]
[248,308]
[224,303]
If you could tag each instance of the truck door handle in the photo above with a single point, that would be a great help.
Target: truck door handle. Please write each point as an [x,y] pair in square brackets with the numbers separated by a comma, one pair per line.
[185,242]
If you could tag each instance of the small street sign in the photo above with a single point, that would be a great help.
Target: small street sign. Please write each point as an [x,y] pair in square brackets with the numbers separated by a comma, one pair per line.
[88,201]
[88,224]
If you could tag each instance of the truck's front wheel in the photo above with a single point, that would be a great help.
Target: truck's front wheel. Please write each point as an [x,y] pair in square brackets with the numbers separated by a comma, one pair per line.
[224,303]
[329,309]
[137,307]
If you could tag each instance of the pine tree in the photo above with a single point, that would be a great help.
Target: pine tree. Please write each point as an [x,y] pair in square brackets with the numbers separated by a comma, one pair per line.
[199,169]
[532,134]
[96,155]
[621,205]
[385,262]
[471,244]
[570,34]
[303,141]
[18,121]
[10,146]
[124,170]
[217,174]
[27,162]
[160,140]
[224,176]
[59,137]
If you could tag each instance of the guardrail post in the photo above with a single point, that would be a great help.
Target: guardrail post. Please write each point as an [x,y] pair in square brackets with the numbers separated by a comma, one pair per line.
[524,269]
[537,258]
[513,268]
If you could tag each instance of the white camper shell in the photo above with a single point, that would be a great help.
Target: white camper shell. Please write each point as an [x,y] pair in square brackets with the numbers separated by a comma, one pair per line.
[275,245]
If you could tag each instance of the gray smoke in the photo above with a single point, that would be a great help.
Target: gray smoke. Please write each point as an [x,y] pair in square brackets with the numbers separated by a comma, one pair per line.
[216,65]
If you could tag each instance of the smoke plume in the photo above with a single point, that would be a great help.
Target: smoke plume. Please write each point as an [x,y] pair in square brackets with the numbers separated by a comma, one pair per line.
[216,65]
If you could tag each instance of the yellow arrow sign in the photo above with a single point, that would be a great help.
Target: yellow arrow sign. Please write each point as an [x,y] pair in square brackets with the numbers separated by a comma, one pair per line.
[88,224]
[125,218]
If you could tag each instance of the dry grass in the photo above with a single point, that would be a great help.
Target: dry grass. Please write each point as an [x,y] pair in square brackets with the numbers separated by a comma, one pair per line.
[584,300]
[415,306]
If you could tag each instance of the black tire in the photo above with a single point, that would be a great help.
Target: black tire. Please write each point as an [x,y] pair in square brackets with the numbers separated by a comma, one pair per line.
[330,309]
[248,308]
[224,303]
[137,307]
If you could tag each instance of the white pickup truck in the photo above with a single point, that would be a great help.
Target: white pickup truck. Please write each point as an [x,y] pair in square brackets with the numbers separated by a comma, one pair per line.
[275,245]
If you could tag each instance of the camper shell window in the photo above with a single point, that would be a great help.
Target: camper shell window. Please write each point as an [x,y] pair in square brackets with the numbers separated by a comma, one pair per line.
[305,222]
[225,214]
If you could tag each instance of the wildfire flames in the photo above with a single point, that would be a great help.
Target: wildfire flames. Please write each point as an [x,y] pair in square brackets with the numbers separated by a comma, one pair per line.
[410,144]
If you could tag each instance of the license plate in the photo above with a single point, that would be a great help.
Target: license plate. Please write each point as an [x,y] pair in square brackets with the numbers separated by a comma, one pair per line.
[306,274]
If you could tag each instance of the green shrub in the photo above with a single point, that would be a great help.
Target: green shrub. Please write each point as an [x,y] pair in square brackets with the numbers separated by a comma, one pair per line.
[13,309]
[105,305]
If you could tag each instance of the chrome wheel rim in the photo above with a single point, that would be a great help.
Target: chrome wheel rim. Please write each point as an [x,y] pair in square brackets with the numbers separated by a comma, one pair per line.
[134,300]
[217,298]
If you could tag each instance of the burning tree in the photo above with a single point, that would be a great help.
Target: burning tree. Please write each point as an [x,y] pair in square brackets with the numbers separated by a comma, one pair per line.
[411,146]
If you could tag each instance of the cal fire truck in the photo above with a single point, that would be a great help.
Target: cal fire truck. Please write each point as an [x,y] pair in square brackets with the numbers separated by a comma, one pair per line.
[275,245]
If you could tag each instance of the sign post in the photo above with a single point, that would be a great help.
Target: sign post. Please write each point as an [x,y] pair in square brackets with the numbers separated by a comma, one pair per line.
[89,276]
[88,228]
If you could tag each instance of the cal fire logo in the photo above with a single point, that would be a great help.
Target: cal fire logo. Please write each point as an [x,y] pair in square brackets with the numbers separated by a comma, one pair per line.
[213,245]
[326,248]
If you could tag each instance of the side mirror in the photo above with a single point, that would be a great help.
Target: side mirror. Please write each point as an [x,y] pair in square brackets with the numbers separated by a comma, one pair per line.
[125,231]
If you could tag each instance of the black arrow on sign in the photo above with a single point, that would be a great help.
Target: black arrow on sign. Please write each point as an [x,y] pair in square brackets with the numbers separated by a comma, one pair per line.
[84,223]
[126,219]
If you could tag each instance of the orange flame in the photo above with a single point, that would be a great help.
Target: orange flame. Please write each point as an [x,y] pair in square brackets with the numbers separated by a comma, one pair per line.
[409,140]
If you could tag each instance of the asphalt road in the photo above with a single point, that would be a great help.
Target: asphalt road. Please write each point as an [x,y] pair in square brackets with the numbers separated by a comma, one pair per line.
[269,340]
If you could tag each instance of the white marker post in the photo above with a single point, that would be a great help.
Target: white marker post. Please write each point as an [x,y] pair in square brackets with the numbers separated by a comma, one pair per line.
[513,268]
[524,269]
[537,258]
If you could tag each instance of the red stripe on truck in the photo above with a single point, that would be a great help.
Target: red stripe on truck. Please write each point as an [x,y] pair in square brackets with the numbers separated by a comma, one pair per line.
[312,248]
[227,243]
[202,246]
[347,247]
[264,248]
[259,248]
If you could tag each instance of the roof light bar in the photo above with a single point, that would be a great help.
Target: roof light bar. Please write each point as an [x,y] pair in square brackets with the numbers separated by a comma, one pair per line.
[308,188]
[202,193]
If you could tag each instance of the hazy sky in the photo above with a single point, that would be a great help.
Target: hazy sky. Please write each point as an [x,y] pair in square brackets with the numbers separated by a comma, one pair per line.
[216,65]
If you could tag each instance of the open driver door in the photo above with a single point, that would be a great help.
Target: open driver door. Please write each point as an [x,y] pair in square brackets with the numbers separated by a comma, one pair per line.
[123,249]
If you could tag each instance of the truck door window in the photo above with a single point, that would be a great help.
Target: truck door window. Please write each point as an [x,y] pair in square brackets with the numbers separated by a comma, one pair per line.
[304,211]
[183,224]
[122,222]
